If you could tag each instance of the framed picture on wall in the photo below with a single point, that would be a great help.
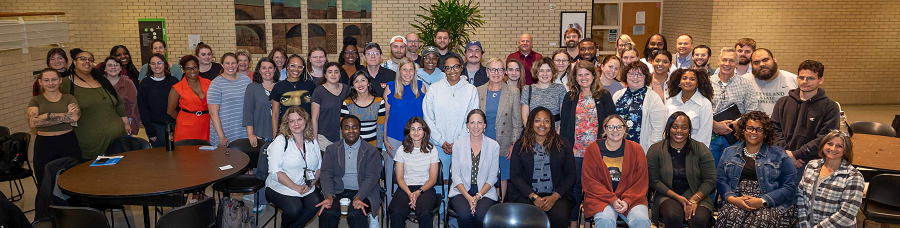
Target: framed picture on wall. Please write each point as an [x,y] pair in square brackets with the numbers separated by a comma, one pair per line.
[571,19]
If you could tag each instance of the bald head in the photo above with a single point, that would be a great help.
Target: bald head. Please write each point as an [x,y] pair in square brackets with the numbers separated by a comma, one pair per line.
[525,43]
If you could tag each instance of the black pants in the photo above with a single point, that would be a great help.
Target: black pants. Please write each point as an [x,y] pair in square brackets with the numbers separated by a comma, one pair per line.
[464,216]
[331,217]
[298,211]
[672,214]
[424,205]
[49,148]
[560,212]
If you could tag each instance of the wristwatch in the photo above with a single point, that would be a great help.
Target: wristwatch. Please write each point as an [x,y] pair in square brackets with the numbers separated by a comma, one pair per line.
[765,204]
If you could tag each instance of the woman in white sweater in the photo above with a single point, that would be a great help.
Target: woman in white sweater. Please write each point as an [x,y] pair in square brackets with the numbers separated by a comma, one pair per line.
[479,156]
[643,110]
[445,107]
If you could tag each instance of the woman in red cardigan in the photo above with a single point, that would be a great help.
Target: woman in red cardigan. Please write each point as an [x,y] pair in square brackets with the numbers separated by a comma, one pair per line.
[614,176]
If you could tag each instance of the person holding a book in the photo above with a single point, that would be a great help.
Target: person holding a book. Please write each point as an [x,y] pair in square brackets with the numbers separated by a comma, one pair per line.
[732,97]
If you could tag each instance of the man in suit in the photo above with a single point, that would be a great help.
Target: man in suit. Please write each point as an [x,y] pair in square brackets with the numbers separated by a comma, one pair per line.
[351,170]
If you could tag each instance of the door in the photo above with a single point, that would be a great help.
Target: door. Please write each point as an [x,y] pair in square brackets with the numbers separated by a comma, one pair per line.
[631,12]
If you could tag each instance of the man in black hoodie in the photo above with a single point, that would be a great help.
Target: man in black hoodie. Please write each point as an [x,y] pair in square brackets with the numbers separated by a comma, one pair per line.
[805,116]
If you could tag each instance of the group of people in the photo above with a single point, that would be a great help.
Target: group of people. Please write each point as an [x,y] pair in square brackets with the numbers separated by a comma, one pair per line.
[575,134]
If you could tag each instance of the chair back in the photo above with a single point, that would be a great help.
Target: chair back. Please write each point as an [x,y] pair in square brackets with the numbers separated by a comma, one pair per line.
[126,143]
[516,215]
[192,142]
[243,145]
[882,189]
[4,131]
[896,124]
[77,217]
[201,214]
[873,128]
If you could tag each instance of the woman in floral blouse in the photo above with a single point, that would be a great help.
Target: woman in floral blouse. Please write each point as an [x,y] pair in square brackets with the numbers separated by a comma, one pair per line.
[644,112]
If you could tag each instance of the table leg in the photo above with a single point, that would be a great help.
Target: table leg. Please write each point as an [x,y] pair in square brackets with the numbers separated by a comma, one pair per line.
[146,217]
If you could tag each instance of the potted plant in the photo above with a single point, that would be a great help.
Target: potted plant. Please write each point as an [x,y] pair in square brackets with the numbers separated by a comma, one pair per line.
[459,18]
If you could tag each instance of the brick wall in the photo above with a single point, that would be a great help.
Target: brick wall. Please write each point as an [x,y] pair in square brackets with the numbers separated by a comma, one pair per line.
[853,39]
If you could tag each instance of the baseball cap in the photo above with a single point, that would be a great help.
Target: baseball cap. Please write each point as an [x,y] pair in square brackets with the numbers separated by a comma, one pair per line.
[429,49]
[474,43]
[397,39]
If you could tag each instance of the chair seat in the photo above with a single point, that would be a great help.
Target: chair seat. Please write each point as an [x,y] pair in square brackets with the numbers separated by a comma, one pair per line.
[451,212]
[22,174]
[239,184]
[882,213]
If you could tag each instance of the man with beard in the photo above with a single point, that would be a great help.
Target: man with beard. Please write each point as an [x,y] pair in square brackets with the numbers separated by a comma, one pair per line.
[655,43]
[700,61]
[442,43]
[805,116]
[587,51]
[768,81]
[398,51]
[730,90]
[526,56]
[683,47]
[745,48]
[412,47]
[474,73]
[572,36]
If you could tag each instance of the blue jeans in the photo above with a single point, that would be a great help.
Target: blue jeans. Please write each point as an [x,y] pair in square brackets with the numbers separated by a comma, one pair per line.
[638,217]
[717,146]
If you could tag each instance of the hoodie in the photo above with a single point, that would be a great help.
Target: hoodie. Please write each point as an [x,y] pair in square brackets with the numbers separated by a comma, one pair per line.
[801,125]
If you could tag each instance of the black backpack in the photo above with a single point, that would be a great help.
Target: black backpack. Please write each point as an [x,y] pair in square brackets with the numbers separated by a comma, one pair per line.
[12,154]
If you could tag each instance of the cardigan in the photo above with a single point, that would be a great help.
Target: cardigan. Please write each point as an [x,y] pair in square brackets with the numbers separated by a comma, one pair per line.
[508,123]
[368,168]
[562,171]
[461,168]
[701,173]
[597,183]
[837,199]
[653,117]
[604,106]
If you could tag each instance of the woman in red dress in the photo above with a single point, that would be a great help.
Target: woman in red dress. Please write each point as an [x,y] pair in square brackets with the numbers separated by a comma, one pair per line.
[192,122]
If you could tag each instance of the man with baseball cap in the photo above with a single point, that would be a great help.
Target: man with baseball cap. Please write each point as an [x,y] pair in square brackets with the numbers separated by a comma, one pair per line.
[398,51]
[475,73]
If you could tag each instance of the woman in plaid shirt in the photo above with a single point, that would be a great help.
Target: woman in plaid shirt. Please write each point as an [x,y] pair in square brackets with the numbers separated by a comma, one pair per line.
[831,190]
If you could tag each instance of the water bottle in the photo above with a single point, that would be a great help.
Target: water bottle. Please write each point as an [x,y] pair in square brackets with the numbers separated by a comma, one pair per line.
[170,138]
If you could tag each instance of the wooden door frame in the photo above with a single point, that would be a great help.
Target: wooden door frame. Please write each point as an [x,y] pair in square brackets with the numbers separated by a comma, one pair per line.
[618,25]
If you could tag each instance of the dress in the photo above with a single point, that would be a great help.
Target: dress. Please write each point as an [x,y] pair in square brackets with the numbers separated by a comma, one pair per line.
[190,125]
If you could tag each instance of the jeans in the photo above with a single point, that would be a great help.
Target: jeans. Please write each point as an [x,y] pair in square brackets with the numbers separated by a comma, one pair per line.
[717,145]
[579,195]
[638,217]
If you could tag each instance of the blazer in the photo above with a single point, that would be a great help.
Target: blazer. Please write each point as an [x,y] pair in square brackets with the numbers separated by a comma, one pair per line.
[776,172]
[701,173]
[654,114]
[562,171]
[368,167]
[597,183]
[508,123]
[461,168]
[603,105]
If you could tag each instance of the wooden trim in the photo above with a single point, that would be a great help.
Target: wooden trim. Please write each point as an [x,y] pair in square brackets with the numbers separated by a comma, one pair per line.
[32,14]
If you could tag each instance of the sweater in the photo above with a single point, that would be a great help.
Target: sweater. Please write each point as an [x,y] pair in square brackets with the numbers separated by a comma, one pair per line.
[699,165]
[447,120]
[153,98]
[597,183]
[562,171]
[801,125]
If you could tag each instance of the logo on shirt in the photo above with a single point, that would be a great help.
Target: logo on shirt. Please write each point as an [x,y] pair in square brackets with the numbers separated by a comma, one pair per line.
[383,85]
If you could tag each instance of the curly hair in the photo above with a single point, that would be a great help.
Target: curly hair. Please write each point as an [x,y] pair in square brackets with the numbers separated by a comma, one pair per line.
[636,65]
[704,85]
[760,117]
[285,130]
[536,67]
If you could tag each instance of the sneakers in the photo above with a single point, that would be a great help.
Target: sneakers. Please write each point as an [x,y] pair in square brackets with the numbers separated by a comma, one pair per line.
[259,208]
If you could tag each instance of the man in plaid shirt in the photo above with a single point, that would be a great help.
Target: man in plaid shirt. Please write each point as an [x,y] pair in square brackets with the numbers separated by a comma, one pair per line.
[729,90]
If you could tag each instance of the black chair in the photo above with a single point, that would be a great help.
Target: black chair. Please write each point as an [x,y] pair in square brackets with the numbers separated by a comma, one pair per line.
[873,128]
[4,131]
[42,223]
[201,214]
[77,217]
[896,124]
[437,207]
[882,203]
[243,183]
[125,144]
[192,142]
[15,178]
[516,215]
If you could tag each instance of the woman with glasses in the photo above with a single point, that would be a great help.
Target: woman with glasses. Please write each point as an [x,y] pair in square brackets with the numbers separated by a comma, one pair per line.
[448,119]
[543,93]
[500,102]
[295,90]
[158,46]
[190,95]
[683,174]
[226,102]
[103,116]
[831,190]
[153,98]
[474,171]
[315,60]
[429,73]
[561,59]
[349,59]
[642,109]
[53,114]
[624,41]
[208,68]
[121,55]
[756,180]
[326,105]
[691,92]
[615,178]
[609,74]
[543,171]
[126,90]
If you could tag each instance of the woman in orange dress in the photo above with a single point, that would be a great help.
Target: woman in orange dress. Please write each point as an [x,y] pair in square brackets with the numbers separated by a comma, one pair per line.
[192,122]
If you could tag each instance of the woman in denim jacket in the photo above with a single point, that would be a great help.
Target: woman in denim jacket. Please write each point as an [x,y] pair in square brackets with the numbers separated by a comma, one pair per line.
[757,181]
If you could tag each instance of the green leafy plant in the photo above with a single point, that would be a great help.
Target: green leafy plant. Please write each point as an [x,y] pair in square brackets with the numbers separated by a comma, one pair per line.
[459,17]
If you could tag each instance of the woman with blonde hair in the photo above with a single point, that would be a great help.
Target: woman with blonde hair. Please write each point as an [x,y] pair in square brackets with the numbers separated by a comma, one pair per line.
[294,163]
[831,190]
[622,42]
[500,102]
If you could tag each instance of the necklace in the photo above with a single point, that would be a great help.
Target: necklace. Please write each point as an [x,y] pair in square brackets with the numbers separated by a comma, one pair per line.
[678,150]
[748,154]
[294,83]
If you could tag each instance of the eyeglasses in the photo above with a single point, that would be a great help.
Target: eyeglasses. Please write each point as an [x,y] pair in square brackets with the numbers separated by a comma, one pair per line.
[373,53]
[561,60]
[614,127]
[495,70]
[156,63]
[113,65]
[191,68]
[294,66]
[86,59]
[454,67]
[635,75]
[752,129]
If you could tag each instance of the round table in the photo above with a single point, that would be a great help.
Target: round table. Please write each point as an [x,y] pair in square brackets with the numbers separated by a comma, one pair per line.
[876,152]
[152,177]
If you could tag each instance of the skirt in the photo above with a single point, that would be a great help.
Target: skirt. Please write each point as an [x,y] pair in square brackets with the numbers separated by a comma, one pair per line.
[733,216]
